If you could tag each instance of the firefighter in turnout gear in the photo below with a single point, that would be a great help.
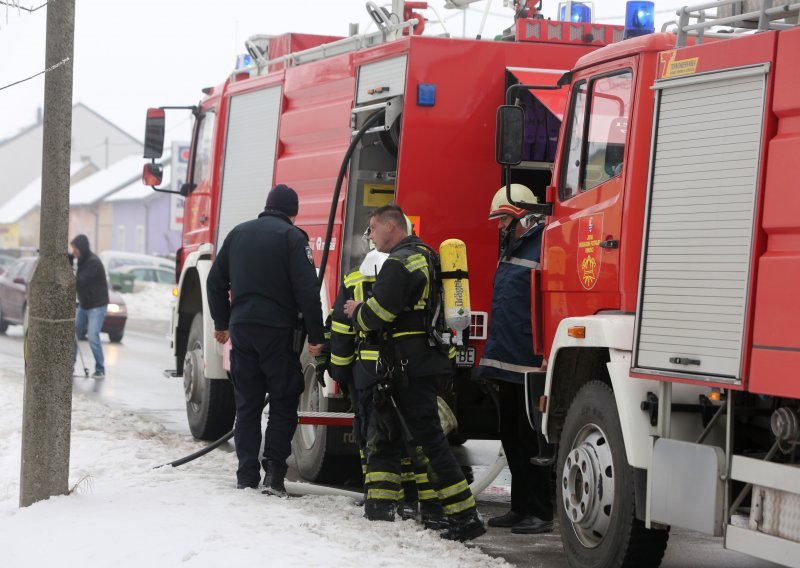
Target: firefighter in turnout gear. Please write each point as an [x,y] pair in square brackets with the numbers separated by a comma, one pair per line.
[353,358]
[409,366]
[509,355]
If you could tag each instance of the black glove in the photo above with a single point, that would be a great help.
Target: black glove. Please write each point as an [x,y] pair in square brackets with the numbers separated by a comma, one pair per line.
[320,367]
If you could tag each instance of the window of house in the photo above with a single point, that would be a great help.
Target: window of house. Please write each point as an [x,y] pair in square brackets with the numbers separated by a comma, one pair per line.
[140,239]
[120,237]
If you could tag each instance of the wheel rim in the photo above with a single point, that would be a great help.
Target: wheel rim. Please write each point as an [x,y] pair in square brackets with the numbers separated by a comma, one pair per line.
[192,377]
[310,401]
[587,483]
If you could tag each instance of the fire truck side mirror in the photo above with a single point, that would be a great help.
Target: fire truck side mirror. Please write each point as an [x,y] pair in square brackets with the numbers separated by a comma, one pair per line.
[154,133]
[152,174]
[509,135]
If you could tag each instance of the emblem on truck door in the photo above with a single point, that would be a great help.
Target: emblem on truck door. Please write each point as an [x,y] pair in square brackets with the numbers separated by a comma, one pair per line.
[590,255]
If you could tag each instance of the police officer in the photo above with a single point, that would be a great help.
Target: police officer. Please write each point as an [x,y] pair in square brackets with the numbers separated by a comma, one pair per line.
[267,266]
[409,369]
[509,354]
[353,358]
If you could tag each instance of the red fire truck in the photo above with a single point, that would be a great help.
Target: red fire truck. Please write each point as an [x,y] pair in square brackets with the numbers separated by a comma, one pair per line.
[418,113]
[665,302]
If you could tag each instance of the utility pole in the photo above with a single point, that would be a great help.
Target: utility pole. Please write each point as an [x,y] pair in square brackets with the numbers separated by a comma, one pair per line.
[50,334]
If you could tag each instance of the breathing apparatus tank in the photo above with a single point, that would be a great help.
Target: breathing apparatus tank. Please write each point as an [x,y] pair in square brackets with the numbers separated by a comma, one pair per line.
[455,286]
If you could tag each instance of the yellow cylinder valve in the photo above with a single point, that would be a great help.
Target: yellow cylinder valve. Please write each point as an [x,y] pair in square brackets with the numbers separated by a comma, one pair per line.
[455,285]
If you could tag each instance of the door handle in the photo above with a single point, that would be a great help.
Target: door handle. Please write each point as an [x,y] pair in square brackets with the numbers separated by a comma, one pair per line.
[610,244]
[204,218]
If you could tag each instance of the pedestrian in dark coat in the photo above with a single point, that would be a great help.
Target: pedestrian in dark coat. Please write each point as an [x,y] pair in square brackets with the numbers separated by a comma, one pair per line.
[92,288]
[266,268]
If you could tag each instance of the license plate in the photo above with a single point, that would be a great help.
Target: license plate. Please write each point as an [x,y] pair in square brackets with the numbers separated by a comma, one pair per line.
[466,357]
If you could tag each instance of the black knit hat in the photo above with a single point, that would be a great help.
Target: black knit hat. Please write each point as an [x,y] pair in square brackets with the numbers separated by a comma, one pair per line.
[284,199]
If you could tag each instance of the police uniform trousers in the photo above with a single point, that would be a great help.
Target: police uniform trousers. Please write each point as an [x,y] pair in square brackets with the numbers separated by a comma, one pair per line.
[386,447]
[262,361]
[530,485]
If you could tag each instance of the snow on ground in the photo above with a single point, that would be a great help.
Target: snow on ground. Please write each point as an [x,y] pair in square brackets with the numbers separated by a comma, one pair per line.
[124,513]
[154,302]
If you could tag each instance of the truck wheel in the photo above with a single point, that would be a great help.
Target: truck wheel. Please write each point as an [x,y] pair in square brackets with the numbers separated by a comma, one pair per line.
[209,402]
[311,445]
[3,323]
[595,492]
[115,337]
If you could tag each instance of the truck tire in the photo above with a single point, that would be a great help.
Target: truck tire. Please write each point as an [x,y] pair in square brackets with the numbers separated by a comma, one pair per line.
[115,337]
[209,402]
[595,489]
[311,445]
[3,323]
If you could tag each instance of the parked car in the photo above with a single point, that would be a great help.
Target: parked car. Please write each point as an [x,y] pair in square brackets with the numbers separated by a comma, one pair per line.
[6,261]
[142,276]
[115,259]
[14,300]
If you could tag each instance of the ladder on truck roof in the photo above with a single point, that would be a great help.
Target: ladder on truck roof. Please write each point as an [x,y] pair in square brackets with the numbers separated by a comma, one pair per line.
[744,16]
[387,31]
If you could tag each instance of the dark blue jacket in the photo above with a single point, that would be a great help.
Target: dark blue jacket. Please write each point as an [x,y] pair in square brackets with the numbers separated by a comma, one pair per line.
[267,266]
[509,348]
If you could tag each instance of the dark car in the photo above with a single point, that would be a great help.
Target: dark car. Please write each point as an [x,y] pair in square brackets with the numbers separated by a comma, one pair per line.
[14,300]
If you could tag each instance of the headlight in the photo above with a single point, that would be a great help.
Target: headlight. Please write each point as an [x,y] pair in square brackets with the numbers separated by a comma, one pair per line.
[114,308]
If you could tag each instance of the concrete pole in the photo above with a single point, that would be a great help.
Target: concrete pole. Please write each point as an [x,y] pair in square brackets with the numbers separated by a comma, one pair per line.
[50,334]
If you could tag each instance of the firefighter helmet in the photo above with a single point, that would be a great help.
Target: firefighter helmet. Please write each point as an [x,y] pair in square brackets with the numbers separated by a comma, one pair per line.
[501,205]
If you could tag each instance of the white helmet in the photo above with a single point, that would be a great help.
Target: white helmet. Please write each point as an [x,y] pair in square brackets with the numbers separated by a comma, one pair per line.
[372,263]
[519,194]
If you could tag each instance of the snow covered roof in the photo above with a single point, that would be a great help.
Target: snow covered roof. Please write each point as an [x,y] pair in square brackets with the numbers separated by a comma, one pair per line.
[29,197]
[98,185]
[137,190]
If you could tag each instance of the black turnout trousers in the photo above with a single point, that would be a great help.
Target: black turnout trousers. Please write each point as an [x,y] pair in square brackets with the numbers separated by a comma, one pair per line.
[530,484]
[262,361]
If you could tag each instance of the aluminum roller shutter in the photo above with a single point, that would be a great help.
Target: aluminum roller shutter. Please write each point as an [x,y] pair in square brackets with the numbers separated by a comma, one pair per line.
[249,161]
[386,79]
[696,259]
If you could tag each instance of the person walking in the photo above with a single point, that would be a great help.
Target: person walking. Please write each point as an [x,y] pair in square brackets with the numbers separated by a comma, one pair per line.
[404,406]
[508,355]
[266,268]
[92,288]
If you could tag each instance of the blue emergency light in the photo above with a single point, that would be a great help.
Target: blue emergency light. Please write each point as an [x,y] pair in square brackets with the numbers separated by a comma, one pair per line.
[639,18]
[243,61]
[579,13]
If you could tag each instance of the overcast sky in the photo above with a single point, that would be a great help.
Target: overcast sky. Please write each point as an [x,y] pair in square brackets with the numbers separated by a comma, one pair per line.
[132,54]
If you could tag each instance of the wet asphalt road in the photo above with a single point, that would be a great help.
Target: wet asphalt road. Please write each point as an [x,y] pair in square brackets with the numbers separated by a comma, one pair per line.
[134,382]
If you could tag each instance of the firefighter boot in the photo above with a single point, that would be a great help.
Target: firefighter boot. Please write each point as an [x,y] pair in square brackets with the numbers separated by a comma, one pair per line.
[273,479]
[408,510]
[380,510]
[464,526]
[433,517]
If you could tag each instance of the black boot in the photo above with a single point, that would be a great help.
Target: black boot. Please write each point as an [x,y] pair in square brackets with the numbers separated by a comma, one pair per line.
[506,521]
[433,517]
[380,510]
[408,510]
[465,526]
[273,479]
[532,525]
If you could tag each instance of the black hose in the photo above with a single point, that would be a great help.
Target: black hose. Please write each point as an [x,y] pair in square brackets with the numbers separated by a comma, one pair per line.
[328,234]
[203,451]
[339,180]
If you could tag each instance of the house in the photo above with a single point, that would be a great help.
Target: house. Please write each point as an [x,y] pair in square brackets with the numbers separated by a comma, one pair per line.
[19,217]
[94,139]
[142,219]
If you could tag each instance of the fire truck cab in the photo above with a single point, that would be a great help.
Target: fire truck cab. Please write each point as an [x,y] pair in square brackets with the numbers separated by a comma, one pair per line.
[665,300]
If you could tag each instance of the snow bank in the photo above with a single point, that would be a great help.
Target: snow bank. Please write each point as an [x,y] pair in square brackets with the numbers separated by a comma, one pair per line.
[123,513]
[154,302]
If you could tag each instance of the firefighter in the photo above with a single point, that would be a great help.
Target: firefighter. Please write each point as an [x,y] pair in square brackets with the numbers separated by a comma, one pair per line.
[267,266]
[353,356]
[409,366]
[509,354]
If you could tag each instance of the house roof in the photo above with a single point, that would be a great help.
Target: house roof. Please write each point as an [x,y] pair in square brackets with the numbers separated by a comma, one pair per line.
[137,190]
[29,197]
[105,182]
